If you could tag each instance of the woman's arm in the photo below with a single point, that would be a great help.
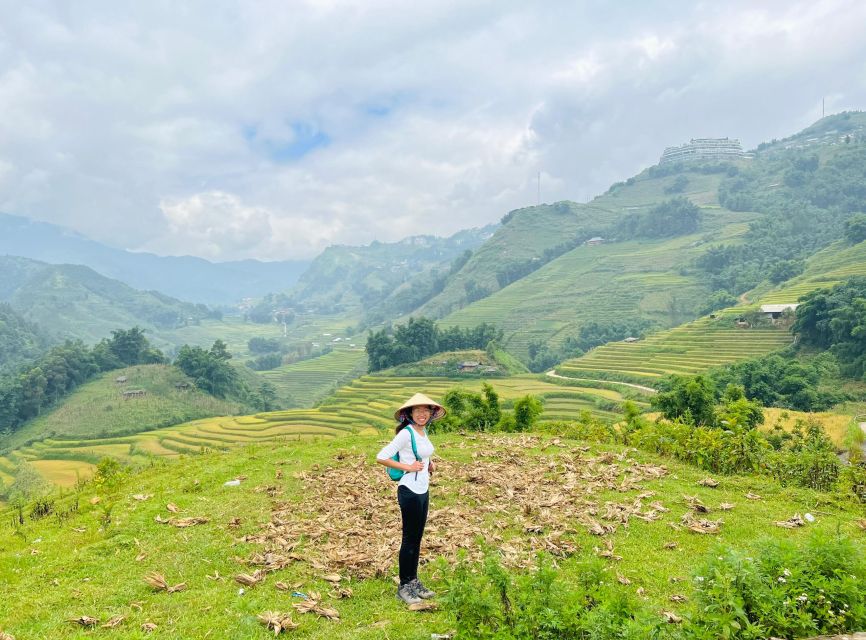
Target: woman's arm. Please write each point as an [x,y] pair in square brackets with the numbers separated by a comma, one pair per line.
[386,455]
[390,462]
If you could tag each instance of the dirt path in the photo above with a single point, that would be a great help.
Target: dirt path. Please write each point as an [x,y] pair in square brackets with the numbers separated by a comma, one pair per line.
[552,373]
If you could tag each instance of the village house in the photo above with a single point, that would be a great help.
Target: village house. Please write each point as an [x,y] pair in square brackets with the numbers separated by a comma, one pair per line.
[594,241]
[775,311]
[469,365]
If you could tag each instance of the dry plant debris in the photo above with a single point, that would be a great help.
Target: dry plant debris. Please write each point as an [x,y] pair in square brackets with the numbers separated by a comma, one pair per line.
[148,627]
[726,506]
[423,606]
[700,525]
[862,524]
[85,621]
[753,496]
[181,522]
[277,622]
[348,521]
[694,503]
[6,636]
[142,496]
[791,523]
[113,622]
[158,582]
[172,507]
[313,604]
[250,580]
[709,482]
[671,617]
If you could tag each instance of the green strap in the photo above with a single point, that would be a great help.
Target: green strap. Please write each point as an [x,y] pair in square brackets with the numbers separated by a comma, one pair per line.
[412,435]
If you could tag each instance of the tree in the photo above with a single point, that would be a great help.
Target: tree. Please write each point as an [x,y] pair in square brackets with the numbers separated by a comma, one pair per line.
[210,369]
[692,399]
[526,412]
[855,228]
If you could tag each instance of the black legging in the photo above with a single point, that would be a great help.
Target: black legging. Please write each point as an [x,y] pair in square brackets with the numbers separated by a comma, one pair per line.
[413,508]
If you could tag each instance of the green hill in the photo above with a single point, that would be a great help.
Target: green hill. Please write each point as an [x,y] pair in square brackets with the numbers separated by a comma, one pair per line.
[72,301]
[688,349]
[20,340]
[99,409]
[364,405]
[304,383]
[349,279]
[336,495]
[651,279]
[518,244]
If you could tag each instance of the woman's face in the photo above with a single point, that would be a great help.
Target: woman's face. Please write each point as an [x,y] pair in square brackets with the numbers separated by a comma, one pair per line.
[421,415]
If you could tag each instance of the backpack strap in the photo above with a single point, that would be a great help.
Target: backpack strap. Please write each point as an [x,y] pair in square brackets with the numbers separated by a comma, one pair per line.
[412,435]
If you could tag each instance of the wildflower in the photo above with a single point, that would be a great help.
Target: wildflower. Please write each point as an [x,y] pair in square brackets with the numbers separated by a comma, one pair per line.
[786,573]
[802,597]
[781,579]
[699,578]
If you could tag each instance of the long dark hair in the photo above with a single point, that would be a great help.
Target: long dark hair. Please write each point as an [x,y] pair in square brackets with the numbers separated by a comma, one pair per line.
[403,423]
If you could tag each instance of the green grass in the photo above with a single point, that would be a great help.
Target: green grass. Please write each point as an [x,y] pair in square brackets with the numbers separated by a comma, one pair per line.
[688,349]
[97,409]
[44,587]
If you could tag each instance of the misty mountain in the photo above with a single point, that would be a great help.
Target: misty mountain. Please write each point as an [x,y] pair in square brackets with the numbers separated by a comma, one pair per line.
[184,277]
[73,301]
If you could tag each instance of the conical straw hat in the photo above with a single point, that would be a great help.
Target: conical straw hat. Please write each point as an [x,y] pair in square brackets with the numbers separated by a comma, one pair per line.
[421,399]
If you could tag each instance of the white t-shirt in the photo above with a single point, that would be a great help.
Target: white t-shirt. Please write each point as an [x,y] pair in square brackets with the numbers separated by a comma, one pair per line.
[417,481]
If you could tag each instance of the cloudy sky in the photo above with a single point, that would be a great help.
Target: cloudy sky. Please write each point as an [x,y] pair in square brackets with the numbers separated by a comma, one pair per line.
[271,129]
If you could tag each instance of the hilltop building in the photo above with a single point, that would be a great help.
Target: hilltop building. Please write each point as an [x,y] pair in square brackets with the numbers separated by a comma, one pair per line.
[704,149]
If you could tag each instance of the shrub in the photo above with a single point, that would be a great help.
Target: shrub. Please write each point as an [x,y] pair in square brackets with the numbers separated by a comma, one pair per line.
[782,590]
[489,602]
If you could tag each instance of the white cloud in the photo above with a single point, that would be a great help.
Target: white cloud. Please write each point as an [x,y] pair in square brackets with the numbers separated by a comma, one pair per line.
[271,130]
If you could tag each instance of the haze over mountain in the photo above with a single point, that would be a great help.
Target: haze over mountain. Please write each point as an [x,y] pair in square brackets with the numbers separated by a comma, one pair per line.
[184,277]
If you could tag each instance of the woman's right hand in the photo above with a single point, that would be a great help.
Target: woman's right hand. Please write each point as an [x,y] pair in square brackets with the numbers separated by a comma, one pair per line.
[415,466]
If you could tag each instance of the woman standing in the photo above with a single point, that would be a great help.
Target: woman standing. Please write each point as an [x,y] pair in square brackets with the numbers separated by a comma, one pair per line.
[412,490]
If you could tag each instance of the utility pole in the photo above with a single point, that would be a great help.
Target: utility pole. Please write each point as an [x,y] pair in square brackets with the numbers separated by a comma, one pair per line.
[539,188]
[822,107]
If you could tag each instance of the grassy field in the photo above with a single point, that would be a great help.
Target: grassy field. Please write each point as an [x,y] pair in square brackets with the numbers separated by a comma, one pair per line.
[333,486]
[98,409]
[366,404]
[601,283]
[687,349]
[304,383]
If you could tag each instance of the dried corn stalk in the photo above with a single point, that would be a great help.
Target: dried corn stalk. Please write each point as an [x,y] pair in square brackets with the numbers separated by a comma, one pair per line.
[277,622]
[791,523]
[158,582]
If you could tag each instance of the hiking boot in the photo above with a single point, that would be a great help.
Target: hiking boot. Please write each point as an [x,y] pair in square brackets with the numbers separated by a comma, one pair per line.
[420,590]
[407,594]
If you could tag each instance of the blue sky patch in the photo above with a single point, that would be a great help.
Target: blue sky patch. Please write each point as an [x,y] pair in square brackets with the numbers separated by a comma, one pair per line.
[306,137]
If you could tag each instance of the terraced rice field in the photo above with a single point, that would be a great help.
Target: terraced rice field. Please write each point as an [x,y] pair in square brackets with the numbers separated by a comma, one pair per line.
[824,270]
[685,350]
[606,282]
[364,406]
[303,383]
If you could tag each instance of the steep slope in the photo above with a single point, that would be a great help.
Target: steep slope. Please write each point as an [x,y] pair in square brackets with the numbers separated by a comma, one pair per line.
[183,277]
[72,301]
[645,278]
[99,408]
[526,239]
[355,279]
[20,340]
